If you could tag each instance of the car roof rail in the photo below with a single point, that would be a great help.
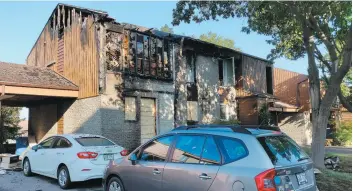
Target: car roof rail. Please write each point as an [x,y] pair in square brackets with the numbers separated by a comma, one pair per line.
[234,128]
[262,127]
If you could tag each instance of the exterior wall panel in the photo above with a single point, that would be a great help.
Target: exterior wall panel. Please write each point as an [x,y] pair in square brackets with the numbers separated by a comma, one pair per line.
[287,88]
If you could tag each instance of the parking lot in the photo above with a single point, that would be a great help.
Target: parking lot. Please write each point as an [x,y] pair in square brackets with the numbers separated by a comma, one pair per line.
[16,181]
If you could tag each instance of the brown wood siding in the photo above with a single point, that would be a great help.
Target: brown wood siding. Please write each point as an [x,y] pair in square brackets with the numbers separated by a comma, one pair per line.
[254,75]
[346,116]
[44,50]
[76,57]
[247,111]
[287,90]
[81,56]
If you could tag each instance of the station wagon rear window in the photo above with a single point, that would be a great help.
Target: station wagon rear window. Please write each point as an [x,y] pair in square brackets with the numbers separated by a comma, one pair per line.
[94,141]
[282,150]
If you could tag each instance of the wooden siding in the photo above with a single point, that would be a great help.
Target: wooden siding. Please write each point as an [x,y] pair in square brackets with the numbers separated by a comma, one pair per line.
[287,90]
[247,111]
[81,56]
[77,56]
[254,75]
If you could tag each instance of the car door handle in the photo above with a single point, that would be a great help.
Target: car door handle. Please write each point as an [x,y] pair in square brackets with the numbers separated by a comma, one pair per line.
[156,172]
[204,176]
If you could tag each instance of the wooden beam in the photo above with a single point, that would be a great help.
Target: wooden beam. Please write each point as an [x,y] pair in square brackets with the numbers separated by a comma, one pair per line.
[14,90]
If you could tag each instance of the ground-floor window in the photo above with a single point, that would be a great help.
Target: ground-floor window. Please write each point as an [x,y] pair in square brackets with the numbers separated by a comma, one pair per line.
[130,108]
[192,108]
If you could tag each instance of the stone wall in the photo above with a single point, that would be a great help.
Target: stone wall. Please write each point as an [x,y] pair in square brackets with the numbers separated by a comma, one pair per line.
[297,126]
[128,133]
[83,116]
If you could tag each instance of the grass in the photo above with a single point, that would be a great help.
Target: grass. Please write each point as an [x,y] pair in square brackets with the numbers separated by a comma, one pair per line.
[340,180]
[330,180]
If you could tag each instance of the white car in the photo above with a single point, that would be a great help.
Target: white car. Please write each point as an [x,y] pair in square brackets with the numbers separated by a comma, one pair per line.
[71,158]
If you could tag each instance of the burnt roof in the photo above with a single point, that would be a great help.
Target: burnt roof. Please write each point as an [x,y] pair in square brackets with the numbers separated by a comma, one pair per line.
[31,76]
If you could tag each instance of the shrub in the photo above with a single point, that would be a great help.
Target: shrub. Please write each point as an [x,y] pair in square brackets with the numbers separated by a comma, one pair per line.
[343,134]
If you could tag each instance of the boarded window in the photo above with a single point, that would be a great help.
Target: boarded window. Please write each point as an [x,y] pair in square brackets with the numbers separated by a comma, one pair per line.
[192,110]
[224,114]
[130,108]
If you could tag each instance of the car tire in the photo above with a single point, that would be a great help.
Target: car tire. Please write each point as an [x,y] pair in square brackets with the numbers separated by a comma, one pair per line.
[114,184]
[27,171]
[63,176]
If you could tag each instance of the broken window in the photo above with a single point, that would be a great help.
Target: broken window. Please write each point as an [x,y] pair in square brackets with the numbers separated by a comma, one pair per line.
[130,108]
[150,56]
[269,80]
[226,72]
[190,67]
[192,109]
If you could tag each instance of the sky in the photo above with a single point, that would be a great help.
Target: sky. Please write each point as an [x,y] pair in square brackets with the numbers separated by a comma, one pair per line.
[22,22]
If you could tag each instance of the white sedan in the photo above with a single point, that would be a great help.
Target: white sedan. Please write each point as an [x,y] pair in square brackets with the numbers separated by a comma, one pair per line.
[71,158]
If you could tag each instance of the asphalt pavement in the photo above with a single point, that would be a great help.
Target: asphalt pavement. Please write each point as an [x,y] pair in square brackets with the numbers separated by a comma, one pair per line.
[339,150]
[16,181]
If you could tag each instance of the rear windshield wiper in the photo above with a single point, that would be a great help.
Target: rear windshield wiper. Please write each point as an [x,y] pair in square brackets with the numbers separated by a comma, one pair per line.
[303,158]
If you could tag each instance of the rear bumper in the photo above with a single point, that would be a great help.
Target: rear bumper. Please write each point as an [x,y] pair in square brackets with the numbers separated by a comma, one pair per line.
[84,170]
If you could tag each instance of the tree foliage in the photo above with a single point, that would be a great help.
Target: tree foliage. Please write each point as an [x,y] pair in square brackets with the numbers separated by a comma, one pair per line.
[167,29]
[10,119]
[210,37]
[218,40]
[295,29]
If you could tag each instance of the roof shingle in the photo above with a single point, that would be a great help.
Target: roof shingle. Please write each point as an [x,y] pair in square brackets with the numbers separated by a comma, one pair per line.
[30,76]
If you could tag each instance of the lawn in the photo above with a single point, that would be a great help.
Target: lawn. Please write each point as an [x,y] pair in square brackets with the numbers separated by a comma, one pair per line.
[340,180]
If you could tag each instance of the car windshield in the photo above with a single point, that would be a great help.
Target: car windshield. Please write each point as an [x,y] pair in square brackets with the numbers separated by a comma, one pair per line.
[282,150]
[94,141]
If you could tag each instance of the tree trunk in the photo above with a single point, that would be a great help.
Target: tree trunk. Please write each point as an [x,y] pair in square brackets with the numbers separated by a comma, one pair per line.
[319,127]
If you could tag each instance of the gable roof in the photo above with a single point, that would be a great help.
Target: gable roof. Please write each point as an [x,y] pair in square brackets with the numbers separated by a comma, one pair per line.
[30,76]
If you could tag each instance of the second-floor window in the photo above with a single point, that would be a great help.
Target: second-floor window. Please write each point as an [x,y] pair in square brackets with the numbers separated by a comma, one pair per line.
[140,54]
[226,72]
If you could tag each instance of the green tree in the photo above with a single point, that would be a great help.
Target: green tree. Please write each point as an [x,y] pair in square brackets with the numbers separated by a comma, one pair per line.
[10,118]
[218,40]
[209,37]
[167,29]
[296,29]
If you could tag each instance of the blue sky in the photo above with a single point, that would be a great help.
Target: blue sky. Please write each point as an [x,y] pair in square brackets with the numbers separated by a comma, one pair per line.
[22,22]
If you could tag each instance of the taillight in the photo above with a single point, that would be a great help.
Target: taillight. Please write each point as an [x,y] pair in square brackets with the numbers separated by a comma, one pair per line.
[265,180]
[124,152]
[87,155]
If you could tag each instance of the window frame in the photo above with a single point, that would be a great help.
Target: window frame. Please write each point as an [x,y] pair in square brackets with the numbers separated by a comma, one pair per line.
[196,134]
[218,138]
[58,139]
[226,112]
[225,72]
[130,120]
[139,150]
[51,145]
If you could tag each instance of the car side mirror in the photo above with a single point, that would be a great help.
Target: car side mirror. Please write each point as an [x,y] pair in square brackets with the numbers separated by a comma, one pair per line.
[133,158]
[36,147]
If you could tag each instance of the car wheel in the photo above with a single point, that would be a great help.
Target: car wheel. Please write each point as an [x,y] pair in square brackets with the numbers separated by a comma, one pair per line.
[64,177]
[27,171]
[115,185]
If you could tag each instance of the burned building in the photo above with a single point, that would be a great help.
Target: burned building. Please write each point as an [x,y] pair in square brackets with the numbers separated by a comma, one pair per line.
[135,82]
